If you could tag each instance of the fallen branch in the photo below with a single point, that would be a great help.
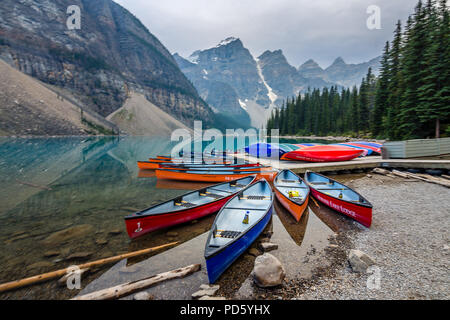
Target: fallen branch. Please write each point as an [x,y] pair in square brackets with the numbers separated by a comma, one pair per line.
[128,288]
[429,179]
[418,176]
[59,273]
[400,174]
[434,179]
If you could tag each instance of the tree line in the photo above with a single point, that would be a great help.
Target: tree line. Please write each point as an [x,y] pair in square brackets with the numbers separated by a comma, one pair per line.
[409,99]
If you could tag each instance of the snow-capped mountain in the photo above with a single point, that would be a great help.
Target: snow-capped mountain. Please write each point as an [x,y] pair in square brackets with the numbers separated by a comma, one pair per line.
[235,83]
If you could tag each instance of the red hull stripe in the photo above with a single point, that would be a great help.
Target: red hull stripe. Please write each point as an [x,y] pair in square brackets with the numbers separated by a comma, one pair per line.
[137,227]
[359,213]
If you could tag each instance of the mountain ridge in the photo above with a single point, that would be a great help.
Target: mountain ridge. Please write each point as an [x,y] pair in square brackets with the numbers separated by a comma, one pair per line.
[262,83]
[111,55]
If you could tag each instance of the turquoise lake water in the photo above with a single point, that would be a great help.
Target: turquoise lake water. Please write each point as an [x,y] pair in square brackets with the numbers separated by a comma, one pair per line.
[63,197]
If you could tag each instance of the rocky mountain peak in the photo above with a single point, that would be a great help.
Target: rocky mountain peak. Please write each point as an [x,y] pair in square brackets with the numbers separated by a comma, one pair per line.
[311,69]
[308,65]
[269,53]
[338,62]
[230,40]
[273,56]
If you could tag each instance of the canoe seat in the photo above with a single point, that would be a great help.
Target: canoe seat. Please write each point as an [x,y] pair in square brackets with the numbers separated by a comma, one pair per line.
[227,234]
[211,195]
[238,185]
[289,181]
[250,197]
[185,204]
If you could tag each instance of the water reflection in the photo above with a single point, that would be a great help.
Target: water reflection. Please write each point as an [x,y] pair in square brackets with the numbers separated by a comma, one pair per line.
[90,184]
[62,202]
[333,219]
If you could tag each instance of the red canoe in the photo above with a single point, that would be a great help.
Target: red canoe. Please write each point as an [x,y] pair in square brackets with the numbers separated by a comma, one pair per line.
[188,207]
[323,153]
[339,197]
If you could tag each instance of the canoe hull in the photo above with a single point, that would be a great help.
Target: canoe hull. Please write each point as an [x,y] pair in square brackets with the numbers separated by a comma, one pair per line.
[295,210]
[137,227]
[218,263]
[147,165]
[186,176]
[309,155]
[362,214]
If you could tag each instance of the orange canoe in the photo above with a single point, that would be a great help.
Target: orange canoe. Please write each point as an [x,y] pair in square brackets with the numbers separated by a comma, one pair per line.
[153,164]
[292,192]
[212,176]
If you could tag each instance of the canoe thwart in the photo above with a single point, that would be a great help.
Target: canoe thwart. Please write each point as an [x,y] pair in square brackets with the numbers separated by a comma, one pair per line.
[186,204]
[227,234]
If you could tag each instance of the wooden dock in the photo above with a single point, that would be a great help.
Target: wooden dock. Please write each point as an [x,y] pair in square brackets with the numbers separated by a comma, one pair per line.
[364,163]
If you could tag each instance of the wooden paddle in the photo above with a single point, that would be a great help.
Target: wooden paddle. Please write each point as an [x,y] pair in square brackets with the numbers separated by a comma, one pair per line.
[58,273]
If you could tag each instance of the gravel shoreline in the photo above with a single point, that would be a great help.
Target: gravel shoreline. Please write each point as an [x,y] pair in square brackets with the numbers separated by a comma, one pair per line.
[409,241]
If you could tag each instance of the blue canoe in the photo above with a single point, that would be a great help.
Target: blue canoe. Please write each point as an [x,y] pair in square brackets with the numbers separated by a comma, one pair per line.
[269,150]
[237,225]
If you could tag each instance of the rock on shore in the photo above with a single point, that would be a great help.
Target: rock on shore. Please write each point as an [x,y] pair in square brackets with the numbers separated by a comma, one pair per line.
[359,261]
[268,271]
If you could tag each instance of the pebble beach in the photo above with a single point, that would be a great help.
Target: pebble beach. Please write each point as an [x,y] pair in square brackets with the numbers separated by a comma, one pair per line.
[408,240]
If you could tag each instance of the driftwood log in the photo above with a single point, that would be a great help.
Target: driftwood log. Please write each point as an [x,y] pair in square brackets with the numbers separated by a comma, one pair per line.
[59,273]
[128,288]
[417,176]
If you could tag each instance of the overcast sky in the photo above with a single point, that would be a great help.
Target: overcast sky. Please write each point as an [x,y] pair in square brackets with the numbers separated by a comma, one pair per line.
[303,29]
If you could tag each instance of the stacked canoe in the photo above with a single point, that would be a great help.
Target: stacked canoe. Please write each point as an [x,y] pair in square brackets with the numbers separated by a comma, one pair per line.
[209,169]
[313,152]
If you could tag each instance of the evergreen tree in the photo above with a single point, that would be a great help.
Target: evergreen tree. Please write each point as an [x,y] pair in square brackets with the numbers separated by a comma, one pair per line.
[413,75]
[434,94]
[382,95]
[410,98]
[394,83]
[353,115]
